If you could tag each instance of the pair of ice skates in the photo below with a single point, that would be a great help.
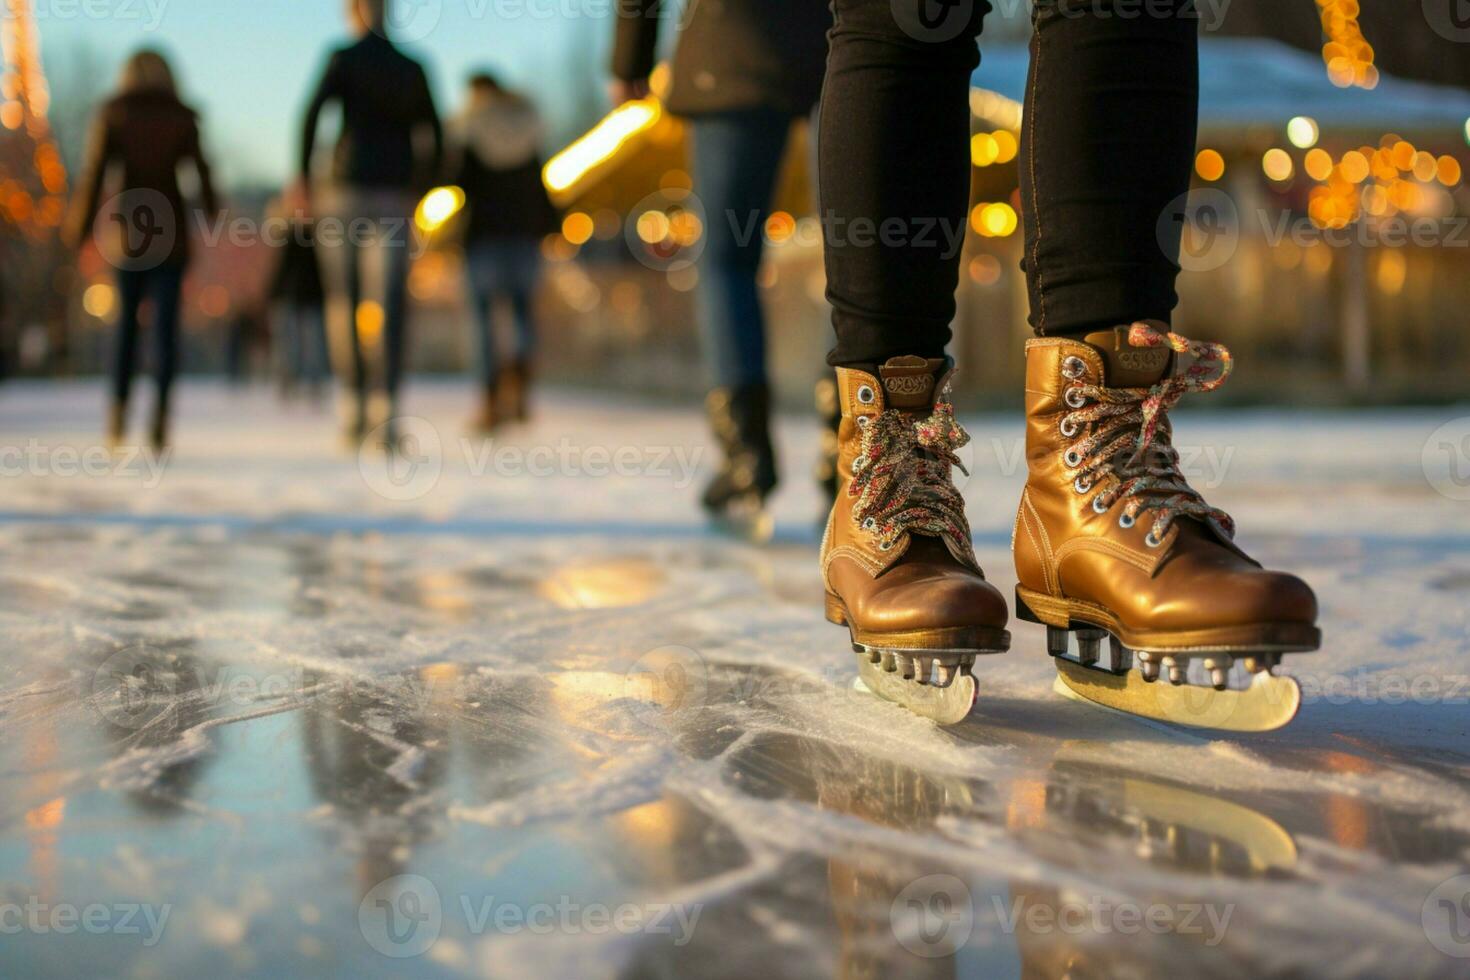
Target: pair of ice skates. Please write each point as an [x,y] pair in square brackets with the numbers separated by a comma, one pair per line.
[1110,543]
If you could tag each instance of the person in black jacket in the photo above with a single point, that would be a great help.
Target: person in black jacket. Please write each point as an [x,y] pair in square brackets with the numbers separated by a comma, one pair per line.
[378,173]
[742,72]
[497,141]
[143,134]
[297,299]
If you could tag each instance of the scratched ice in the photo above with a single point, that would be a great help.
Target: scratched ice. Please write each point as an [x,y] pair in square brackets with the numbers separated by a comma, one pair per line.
[512,711]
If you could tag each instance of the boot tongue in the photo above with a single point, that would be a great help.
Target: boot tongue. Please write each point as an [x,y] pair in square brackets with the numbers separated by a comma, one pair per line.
[1126,366]
[908,382]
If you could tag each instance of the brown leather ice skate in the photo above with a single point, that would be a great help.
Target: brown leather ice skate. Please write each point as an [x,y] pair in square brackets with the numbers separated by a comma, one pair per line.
[897,561]
[1111,540]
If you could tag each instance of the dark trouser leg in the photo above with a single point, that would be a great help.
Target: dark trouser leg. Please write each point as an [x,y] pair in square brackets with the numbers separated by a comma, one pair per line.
[1108,142]
[394,246]
[130,290]
[736,159]
[164,286]
[481,276]
[895,172]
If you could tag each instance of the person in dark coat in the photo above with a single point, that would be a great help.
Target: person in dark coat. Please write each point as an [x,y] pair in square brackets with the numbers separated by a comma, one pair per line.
[378,174]
[497,145]
[743,70]
[297,300]
[141,136]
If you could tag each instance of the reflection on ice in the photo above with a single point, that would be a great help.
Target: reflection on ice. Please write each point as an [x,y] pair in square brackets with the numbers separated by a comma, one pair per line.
[267,728]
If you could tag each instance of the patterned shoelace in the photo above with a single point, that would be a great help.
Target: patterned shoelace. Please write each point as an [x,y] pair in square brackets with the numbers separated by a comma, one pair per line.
[1130,439]
[903,482]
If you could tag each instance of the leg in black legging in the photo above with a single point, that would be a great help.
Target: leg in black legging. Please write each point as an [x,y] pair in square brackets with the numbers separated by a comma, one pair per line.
[131,288]
[1107,143]
[895,172]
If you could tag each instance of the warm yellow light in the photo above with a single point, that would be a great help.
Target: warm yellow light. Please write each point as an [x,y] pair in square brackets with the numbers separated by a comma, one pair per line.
[983,151]
[1449,170]
[1303,132]
[685,227]
[601,144]
[369,322]
[1403,155]
[437,207]
[11,115]
[99,300]
[985,270]
[995,220]
[780,227]
[1006,145]
[653,227]
[1354,167]
[1467,130]
[1392,271]
[1210,165]
[578,227]
[1277,164]
[1425,166]
[1318,164]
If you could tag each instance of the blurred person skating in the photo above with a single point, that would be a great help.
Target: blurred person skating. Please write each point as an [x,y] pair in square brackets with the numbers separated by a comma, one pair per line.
[743,71]
[387,154]
[297,301]
[140,138]
[497,145]
[1110,538]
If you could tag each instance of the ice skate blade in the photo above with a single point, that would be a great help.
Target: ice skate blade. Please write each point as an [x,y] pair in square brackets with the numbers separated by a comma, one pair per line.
[942,705]
[1268,704]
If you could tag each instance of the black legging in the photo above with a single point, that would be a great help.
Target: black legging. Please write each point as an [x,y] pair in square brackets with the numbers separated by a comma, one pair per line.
[1107,143]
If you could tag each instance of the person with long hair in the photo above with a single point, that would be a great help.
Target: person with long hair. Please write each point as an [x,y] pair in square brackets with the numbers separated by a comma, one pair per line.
[140,139]
[388,152]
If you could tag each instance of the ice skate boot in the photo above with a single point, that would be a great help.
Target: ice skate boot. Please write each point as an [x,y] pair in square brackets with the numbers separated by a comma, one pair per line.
[514,391]
[1112,542]
[900,571]
[736,497]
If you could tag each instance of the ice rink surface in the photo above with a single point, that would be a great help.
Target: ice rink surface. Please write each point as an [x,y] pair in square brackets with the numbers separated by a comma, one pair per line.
[513,711]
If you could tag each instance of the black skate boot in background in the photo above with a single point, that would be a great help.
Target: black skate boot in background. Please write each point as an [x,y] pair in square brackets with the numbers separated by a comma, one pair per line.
[829,412]
[736,497]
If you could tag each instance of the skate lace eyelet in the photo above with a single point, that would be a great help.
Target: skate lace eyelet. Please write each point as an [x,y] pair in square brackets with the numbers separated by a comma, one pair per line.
[1068,427]
[863,421]
[865,395]
[1081,485]
[1072,458]
[1098,507]
[1074,398]
[885,546]
[1073,367]
[870,524]
[1125,520]
[1152,539]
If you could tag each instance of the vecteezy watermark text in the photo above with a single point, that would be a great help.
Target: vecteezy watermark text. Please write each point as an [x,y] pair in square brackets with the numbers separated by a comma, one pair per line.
[130,462]
[403,917]
[96,918]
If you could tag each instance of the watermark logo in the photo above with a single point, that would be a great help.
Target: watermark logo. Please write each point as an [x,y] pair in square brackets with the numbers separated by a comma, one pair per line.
[1446,917]
[136,230]
[1446,459]
[402,459]
[667,231]
[664,683]
[1203,226]
[133,688]
[1450,19]
[401,917]
[933,21]
[410,20]
[933,916]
